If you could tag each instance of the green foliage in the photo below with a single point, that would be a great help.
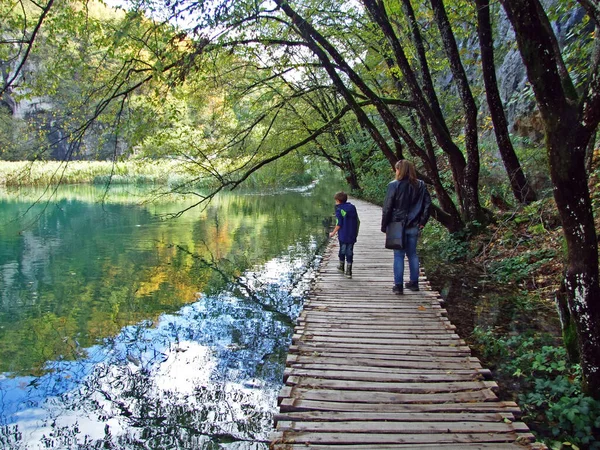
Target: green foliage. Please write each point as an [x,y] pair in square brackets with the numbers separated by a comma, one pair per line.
[518,268]
[493,177]
[287,171]
[374,181]
[550,387]
[450,247]
[22,173]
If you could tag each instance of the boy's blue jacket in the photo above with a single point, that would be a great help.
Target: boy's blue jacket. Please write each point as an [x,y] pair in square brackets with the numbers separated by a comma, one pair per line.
[347,218]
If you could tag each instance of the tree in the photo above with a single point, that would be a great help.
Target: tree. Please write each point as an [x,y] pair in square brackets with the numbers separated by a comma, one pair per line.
[570,118]
[522,191]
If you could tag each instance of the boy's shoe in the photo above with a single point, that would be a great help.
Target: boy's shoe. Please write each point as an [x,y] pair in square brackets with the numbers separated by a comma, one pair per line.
[412,285]
[341,266]
[349,271]
[397,289]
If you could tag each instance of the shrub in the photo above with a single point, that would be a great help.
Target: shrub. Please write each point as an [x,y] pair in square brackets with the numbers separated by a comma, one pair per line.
[550,387]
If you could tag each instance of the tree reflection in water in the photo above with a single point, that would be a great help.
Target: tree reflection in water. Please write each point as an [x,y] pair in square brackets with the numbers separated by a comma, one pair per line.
[205,377]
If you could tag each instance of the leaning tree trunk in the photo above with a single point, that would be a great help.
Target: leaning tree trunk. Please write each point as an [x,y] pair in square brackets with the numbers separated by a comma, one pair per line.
[465,173]
[521,189]
[566,149]
[472,207]
[569,123]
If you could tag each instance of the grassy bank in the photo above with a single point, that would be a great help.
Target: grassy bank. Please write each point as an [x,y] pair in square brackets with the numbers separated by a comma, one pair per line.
[44,173]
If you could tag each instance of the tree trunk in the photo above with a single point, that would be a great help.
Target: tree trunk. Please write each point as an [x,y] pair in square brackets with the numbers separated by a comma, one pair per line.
[589,153]
[569,329]
[567,169]
[463,173]
[569,124]
[472,206]
[521,189]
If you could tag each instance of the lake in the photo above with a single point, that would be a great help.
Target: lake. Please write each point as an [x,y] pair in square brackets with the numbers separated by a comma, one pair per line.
[125,326]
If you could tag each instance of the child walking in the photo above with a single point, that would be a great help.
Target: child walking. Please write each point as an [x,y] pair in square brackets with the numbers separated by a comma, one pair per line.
[346,227]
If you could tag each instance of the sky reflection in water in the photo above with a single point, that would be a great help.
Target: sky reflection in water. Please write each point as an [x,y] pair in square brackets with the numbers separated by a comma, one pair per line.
[204,376]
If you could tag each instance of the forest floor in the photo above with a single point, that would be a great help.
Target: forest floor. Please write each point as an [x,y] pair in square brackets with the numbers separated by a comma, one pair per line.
[499,288]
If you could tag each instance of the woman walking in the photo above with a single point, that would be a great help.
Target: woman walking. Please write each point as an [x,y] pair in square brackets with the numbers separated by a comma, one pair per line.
[406,201]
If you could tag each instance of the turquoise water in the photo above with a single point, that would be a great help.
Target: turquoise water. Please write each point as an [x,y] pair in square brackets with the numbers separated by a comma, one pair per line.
[123,327]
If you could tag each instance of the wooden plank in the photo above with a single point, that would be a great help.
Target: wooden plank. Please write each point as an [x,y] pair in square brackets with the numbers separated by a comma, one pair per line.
[412,371]
[332,359]
[383,326]
[400,438]
[298,404]
[362,381]
[365,333]
[382,354]
[414,376]
[333,395]
[383,342]
[403,427]
[438,446]
[344,416]
[407,348]
[341,314]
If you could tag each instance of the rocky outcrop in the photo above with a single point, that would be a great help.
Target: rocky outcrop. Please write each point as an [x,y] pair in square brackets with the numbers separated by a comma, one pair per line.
[519,102]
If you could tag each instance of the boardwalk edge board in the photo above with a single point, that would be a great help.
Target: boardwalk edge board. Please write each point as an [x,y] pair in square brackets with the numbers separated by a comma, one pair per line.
[368,369]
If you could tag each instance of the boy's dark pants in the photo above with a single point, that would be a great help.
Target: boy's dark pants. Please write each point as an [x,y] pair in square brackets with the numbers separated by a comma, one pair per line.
[346,252]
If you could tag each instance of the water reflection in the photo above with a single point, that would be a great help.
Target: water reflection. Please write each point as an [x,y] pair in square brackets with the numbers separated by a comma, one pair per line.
[120,330]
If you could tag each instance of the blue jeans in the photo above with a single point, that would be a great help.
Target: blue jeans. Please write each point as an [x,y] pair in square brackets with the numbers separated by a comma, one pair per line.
[410,250]
[346,251]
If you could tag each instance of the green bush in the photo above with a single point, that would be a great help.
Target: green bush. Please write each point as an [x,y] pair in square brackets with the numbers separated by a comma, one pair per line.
[550,387]
[448,247]
[375,181]
[518,268]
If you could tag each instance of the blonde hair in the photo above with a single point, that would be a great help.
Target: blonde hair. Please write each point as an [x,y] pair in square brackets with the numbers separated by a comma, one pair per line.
[406,170]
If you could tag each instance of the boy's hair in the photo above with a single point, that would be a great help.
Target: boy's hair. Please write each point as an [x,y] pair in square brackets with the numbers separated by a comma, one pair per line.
[341,197]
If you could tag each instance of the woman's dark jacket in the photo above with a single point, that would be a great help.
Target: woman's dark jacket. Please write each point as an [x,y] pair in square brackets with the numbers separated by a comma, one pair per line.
[405,201]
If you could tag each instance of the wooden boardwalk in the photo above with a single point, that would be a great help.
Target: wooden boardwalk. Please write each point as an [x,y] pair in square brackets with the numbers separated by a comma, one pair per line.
[369,369]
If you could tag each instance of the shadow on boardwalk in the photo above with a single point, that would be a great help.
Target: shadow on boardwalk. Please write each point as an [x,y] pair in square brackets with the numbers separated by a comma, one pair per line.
[368,369]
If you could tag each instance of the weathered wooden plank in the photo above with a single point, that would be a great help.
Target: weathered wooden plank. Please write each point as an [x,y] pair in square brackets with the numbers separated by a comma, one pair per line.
[399,367]
[382,342]
[385,397]
[404,349]
[441,342]
[403,427]
[326,359]
[401,323]
[382,354]
[374,307]
[340,313]
[408,347]
[364,381]
[408,375]
[399,438]
[439,417]
[405,318]
[298,404]
[431,374]
[317,334]
[438,446]
[398,325]
[366,331]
